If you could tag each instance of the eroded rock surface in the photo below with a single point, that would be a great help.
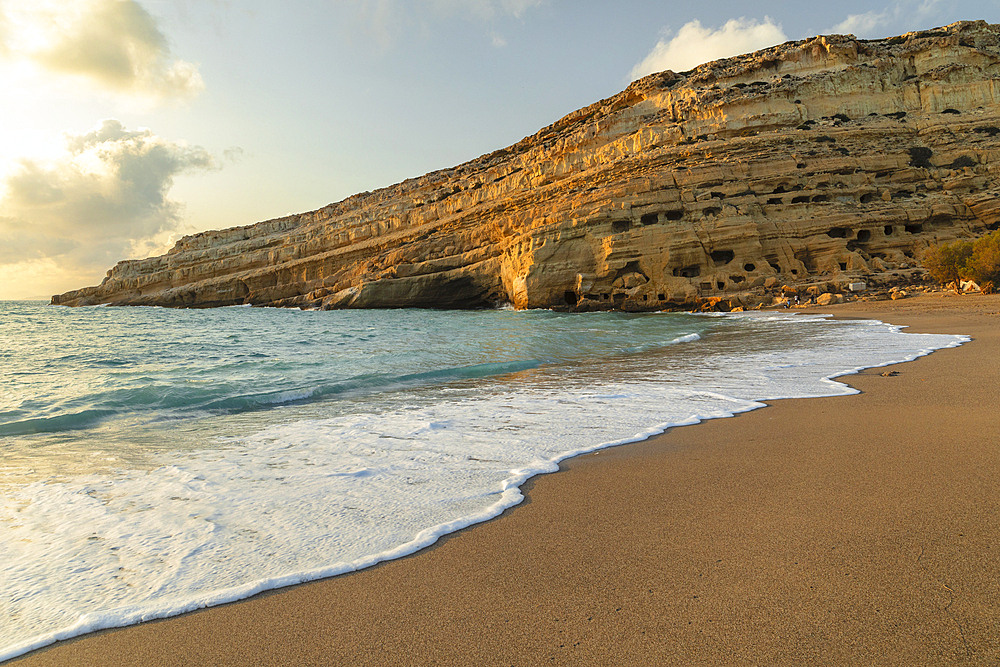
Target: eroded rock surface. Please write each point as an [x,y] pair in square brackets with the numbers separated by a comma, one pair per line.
[832,159]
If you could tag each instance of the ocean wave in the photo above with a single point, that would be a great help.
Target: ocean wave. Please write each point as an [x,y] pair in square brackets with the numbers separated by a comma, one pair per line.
[58,423]
[363,384]
[178,401]
[648,347]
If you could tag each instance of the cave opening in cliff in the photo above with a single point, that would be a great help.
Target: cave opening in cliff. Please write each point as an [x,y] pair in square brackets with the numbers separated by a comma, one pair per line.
[722,257]
[688,272]
[801,199]
[674,216]
[888,230]
[806,258]
[843,266]
[914,229]
[868,198]
[650,219]
[619,226]
[737,279]
[864,235]
[920,157]
[837,233]
[749,266]
[633,271]
[721,284]
[570,297]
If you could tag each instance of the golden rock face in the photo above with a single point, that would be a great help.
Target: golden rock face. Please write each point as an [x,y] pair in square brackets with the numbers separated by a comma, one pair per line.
[822,161]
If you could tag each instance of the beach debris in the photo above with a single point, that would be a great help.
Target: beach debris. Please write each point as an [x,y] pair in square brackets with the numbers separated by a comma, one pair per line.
[889,374]
[969,286]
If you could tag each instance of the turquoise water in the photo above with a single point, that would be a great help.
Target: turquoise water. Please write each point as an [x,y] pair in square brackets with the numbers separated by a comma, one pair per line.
[153,461]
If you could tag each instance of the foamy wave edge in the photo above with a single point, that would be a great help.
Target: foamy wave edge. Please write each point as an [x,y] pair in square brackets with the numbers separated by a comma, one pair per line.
[510,496]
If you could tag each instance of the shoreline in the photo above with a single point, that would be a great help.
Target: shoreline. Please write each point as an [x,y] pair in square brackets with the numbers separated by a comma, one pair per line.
[675,550]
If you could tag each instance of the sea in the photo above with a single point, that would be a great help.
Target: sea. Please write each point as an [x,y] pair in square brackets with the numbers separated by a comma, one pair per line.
[155,461]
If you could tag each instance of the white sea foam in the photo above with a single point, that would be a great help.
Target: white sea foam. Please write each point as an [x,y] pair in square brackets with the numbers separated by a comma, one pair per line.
[273,502]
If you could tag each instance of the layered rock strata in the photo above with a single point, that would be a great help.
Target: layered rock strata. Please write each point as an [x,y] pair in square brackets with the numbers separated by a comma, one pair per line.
[826,160]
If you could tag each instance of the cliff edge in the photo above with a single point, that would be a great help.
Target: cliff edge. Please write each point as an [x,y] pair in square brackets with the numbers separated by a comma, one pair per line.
[825,160]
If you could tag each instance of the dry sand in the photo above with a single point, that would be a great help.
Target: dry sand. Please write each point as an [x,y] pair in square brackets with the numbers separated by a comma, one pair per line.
[842,531]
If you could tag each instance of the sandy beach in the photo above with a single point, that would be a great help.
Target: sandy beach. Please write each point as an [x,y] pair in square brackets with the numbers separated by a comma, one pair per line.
[835,531]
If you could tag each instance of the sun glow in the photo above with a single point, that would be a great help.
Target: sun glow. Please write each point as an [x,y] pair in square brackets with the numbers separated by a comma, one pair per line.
[28,26]
[111,46]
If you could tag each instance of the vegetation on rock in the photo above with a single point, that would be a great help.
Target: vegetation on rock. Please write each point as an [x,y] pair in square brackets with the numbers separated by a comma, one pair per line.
[978,261]
[946,262]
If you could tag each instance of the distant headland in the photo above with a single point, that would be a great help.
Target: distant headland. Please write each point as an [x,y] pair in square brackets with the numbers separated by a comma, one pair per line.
[817,163]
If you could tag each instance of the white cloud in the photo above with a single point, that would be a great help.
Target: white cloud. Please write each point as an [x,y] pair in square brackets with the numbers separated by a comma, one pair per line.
[695,44]
[863,25]
[113,44]
[895,18]
[233,154]
[104,199]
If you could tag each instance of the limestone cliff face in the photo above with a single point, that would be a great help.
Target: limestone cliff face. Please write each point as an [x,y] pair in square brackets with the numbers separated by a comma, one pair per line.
[819,160]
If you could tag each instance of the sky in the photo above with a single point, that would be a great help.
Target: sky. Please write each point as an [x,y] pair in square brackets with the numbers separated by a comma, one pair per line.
[126,124]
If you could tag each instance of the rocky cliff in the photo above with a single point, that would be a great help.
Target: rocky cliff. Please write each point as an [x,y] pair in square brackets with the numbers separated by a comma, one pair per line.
[818,161]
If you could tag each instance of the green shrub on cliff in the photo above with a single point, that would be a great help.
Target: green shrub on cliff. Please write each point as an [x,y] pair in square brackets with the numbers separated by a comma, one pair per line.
[984,264]
[946,263]
[967,260]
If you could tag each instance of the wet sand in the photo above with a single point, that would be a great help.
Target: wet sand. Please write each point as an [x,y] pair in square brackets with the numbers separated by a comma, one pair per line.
[833,531]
